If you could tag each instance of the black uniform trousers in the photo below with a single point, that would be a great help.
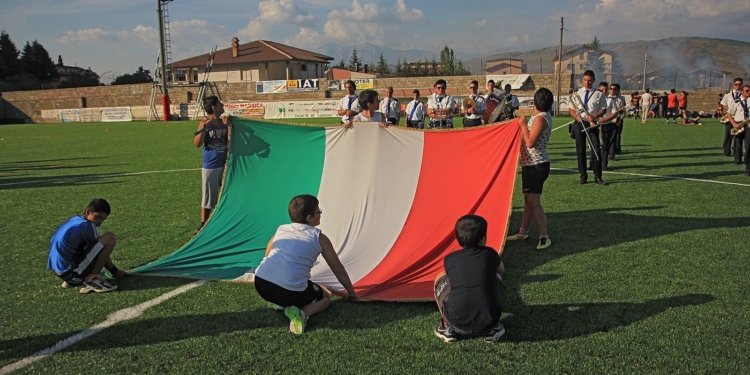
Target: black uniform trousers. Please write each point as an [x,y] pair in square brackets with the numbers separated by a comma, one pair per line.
[608,138]
[728,139]
[618,137]
[738,147]
[581,138]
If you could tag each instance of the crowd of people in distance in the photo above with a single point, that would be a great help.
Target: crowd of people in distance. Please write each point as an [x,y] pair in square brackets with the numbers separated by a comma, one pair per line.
[667,105]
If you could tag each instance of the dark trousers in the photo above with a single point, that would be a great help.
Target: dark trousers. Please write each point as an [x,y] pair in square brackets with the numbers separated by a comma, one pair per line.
[747,148]
[618,137]
[738,147]
[581,138]
[728,139]
[672,112]
[391,120]
[415,124]
[469,122]
[664,110]
[608,138]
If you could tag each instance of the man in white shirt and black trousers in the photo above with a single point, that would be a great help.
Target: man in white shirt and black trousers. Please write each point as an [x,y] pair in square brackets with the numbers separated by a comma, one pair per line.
[739,112]
[473,116]
[730,97]
[511,102]
[595,105]
[415,112]
[390,107]
[349,104]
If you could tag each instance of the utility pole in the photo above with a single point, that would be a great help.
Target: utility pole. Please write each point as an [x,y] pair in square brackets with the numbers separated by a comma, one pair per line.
[559,67]
[540,66]
[645,62]
[164,89]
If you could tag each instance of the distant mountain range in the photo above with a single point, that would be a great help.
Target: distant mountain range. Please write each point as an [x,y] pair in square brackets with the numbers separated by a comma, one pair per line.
[684,54]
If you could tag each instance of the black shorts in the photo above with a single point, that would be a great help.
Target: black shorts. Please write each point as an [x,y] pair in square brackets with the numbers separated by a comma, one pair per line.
[533,177]
[285,297]
[83,264]
[442,295]
[391,120]
[415,124]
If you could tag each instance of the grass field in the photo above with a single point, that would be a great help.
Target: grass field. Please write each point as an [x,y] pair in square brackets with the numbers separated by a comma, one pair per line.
[646,275]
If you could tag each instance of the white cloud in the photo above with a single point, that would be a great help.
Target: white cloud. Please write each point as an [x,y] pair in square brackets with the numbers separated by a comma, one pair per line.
[406,14]
[146,34]
[87,36]
[305,37]
[481,22]
[284,11]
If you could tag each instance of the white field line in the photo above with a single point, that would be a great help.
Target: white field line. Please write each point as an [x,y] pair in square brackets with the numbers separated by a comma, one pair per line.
[563,125]
[660,176]
[98,176]
[112,319]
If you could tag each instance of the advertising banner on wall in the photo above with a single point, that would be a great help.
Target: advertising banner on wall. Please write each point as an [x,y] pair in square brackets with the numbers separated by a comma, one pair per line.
[362,84]
[270,87]
[51,115]
[299,85]
[115,114]
[92,114]
[245,109]
[301,109]
[70,115]
[141,112]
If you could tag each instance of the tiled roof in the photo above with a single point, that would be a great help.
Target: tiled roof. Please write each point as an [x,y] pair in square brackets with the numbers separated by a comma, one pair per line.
[255,52]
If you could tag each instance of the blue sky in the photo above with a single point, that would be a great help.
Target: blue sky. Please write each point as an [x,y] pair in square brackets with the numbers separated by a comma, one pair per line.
[118,36]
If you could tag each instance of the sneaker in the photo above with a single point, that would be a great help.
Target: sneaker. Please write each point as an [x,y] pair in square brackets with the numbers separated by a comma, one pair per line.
[517,236]
[297,319]
[73,282]
[198,230]
[544,243]
[97,286]
[278,308]
[495,333]
[446,334]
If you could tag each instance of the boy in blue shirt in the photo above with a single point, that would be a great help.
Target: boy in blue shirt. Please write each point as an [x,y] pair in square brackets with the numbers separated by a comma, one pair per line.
[78,253]
[213,136]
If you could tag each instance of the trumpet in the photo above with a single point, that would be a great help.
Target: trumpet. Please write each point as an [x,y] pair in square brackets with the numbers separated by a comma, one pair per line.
[578,106]
[737,131]
[724,119]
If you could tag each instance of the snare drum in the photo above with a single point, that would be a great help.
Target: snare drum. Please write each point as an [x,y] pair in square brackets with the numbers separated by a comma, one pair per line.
[495,107]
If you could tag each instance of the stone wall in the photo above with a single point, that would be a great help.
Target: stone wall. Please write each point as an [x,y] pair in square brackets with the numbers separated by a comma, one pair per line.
[27,105]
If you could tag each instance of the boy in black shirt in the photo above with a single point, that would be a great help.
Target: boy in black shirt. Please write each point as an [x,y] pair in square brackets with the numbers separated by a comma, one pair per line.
[470,292]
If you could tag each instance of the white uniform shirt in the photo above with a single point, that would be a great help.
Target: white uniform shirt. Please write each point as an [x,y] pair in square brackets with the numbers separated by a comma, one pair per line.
[737,110]
[417,114]
[294,250]
[446,101]
[611,108]
[513,102]
[349,102]
[481,106]
[596,101]
[390,107]
[729,98]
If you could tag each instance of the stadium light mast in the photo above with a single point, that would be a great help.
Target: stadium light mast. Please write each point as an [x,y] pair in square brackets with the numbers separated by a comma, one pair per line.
[163,59]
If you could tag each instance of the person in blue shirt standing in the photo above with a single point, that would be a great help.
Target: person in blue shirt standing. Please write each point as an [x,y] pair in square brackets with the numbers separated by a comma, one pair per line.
[213,136]
[78,253]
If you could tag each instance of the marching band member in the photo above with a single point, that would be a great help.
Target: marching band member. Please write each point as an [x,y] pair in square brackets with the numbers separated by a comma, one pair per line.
[440,106]
[608,127]
[511,101]
[738,113]
[491,90]
[390,107]
[473,116]
[415,112]
[730,97]
[595,104]
[349,105]
[620,120]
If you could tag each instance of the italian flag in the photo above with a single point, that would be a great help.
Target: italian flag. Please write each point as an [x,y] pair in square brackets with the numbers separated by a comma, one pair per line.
[390,199]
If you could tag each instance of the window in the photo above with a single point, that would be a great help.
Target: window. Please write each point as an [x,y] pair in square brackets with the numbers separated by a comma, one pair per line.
[304,67]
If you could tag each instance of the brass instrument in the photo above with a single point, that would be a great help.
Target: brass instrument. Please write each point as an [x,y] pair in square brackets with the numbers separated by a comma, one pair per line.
[724,119]
[738,131]
[578,106]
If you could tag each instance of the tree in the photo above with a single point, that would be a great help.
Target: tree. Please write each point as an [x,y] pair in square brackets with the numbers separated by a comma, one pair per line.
[594,60]
[382,67]
[35,61]
[9,64]
[79,80]
[460,70]
[447,61]
[354,61]
[140,76]
[399,68]
[432,71]
[341,64]
[59,60]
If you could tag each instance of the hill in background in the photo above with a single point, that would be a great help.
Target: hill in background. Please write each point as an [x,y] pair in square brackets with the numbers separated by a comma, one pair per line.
[682,55]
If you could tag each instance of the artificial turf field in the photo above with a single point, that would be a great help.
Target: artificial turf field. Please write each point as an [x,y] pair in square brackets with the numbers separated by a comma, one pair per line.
[646,275]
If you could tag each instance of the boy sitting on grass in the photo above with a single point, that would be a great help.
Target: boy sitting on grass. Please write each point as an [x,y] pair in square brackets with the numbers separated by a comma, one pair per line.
[283,276]
[470,292]
[78,253]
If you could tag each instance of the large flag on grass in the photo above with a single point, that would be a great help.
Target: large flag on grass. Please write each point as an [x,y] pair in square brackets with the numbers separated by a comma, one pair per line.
[390,198]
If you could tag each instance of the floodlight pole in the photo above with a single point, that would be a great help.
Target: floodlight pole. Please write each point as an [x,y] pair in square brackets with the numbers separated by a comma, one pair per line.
[559,67]
[163,60]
